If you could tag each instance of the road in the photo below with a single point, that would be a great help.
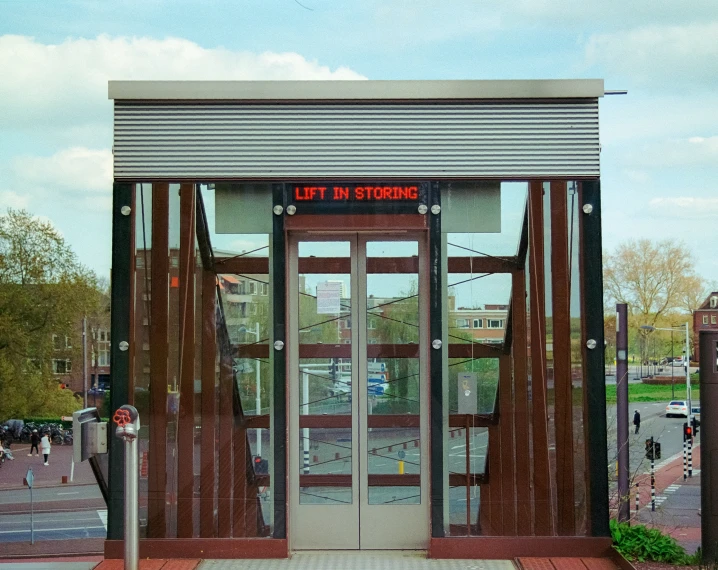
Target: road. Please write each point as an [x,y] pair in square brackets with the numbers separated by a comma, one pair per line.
[62,525]
[654,423]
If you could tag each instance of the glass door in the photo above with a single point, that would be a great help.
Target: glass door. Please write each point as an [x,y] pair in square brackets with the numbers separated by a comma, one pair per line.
[358,460]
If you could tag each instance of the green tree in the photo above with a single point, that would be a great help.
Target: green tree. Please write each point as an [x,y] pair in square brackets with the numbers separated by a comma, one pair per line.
[44,291]
[658,282]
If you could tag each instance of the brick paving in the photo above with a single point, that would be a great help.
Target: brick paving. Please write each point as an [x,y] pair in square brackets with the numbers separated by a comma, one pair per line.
[567,563]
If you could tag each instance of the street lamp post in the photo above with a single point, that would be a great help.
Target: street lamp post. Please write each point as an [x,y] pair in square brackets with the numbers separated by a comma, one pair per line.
[686,362]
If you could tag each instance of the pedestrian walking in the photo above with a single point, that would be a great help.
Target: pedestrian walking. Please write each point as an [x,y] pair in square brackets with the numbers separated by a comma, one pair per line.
[34,442]
[45,446]
[637,420]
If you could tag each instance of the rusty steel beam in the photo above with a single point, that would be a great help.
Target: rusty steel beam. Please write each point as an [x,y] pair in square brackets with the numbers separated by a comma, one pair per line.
[563,407]
[456,350]
[524,516]
[508,462]
[208,472]
[495,480]
[246,265]
[185,420]
[159,370]
[226,430]
[543,504]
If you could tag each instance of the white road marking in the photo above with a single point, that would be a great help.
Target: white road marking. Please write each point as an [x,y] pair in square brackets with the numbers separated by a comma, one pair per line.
[70,493]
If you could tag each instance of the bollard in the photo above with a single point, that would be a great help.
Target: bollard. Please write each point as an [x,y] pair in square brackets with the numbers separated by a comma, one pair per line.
[128,427]
[685,456]
[401,467]
[638,500]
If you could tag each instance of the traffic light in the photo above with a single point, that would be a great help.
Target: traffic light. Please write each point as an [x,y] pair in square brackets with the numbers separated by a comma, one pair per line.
[687,431]
[695,422]
[656,450]
[261,466]
[650,446]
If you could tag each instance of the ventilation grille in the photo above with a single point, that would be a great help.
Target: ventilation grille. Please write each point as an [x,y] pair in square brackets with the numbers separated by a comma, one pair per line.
[289,141]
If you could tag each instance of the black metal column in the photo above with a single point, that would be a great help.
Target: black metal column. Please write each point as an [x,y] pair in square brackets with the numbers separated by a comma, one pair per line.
[122,245]
[708,366]
[279,301]
[436,405]
[593,352]
[624,507]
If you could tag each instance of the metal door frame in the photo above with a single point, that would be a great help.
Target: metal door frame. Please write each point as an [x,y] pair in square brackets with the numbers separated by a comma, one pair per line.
[359,525]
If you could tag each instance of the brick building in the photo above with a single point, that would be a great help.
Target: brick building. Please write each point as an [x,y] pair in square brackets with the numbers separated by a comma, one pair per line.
[705,317]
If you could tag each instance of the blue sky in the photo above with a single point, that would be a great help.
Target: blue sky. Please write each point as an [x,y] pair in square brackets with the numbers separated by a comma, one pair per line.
[659,155]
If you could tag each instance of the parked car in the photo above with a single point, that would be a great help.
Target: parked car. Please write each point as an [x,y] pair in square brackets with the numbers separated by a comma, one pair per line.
[677,408]
[696,412]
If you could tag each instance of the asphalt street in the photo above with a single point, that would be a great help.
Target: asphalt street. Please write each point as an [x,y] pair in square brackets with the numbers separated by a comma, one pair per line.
[654,423]
[63,525]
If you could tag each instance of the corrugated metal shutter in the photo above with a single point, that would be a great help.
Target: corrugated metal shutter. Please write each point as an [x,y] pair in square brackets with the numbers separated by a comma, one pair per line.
[276,141]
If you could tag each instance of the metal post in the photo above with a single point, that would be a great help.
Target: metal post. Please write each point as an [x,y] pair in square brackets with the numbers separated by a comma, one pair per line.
[128,427]
[305,411]
[259,398]
[673,385]
[624,507]
[653,476]
[708,367]
[84,361]
[690,454]
[638,500]
[685,454]
[687,364]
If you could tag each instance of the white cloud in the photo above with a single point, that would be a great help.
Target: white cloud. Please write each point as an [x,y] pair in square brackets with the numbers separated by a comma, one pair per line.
[673,152]
[66,84]
[11,199]
[674,57]
[687,207]
[75,169]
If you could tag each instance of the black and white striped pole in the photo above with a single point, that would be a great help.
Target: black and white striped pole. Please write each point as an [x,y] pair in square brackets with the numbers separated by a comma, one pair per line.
[653,482]
[638,500]
[690,453]
[685,454]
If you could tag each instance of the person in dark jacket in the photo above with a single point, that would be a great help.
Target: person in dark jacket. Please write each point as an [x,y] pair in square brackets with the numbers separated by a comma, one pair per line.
[637,420]
[34,442]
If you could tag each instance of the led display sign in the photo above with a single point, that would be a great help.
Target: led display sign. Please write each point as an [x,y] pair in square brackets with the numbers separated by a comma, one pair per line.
[352,193]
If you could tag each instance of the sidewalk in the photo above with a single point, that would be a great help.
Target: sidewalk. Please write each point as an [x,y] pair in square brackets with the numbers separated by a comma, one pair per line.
[677,502]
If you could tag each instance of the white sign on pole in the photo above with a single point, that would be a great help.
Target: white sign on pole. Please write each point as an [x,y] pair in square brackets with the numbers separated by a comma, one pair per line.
[29,477]
[329,298]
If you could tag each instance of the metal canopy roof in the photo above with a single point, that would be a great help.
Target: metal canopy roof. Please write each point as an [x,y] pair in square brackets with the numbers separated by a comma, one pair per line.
[356,90]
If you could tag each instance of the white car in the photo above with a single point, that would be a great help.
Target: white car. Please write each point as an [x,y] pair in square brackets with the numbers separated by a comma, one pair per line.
[677,408]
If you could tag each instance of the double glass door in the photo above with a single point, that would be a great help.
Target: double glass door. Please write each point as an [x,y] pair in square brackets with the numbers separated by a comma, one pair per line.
[358,391]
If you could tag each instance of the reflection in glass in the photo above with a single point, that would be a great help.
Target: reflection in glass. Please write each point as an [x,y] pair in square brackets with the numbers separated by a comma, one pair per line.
[324,383]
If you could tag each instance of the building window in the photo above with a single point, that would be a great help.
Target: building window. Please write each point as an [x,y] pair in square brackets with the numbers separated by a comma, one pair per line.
[61,366]
[714,302]
[495,323]
[61,342]
[713,319]
[252,287]
[478,323]
[264,287]
[462,323]
[705,319]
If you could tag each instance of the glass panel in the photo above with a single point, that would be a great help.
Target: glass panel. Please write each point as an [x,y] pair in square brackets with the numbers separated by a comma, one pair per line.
[247,313]
[324,383]
[579,442]
[476,319]
[393,375]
